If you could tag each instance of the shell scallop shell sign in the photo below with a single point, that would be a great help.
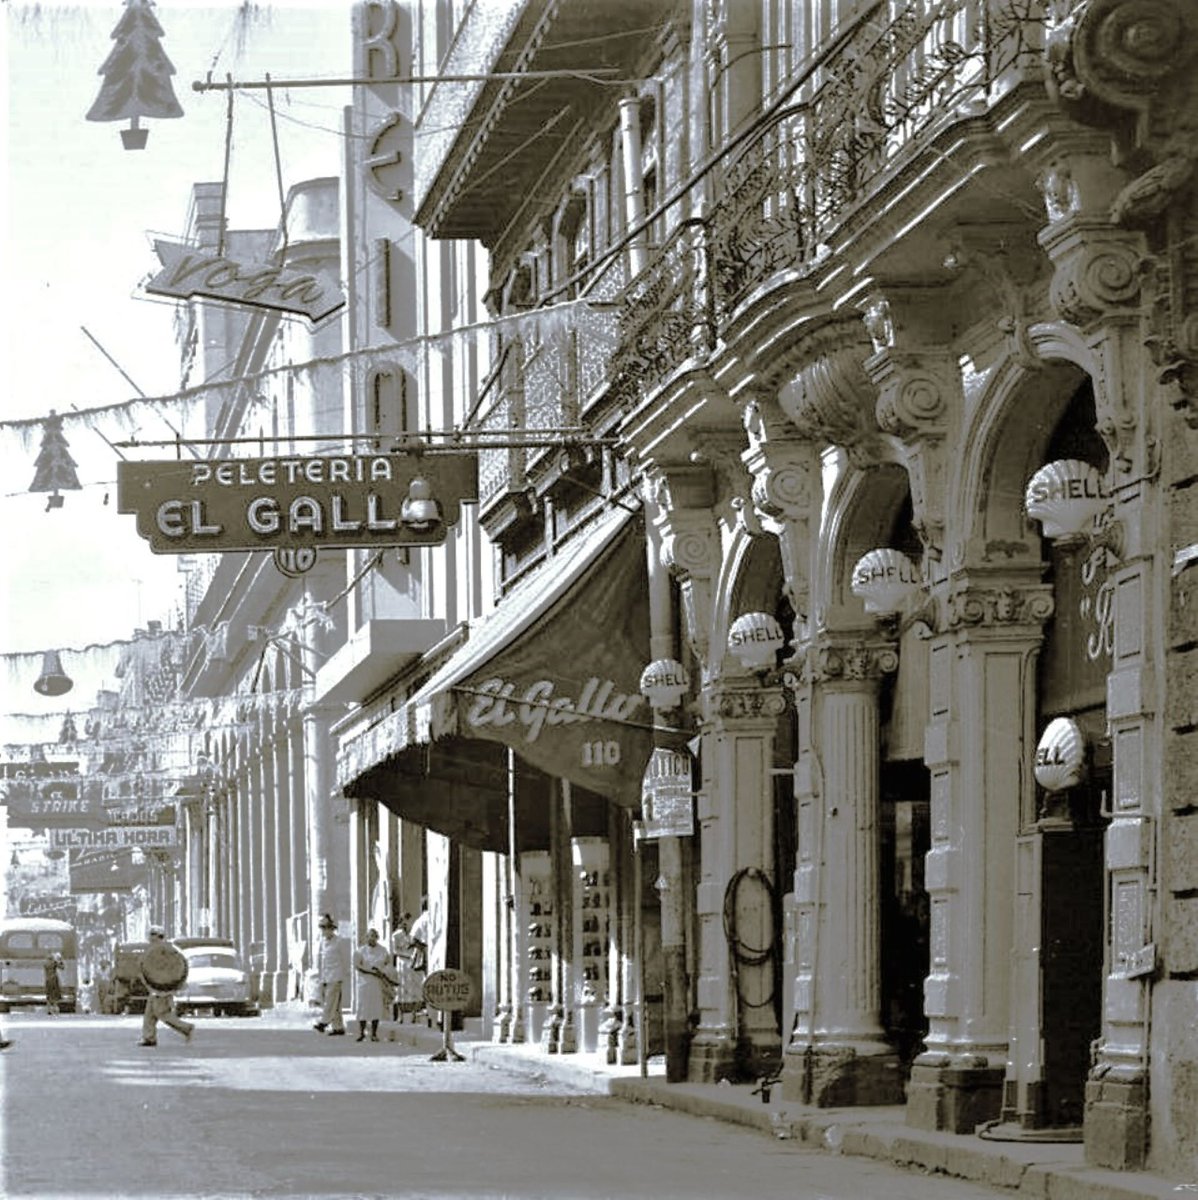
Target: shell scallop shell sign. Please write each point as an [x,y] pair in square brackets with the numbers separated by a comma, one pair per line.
[1061,755]
[1065,497]
[883,579]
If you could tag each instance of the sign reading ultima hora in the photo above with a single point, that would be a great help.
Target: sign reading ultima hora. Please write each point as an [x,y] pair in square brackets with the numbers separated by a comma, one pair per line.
[367,500]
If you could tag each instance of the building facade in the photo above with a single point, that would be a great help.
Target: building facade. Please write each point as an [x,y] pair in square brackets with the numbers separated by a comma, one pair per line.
[807,297]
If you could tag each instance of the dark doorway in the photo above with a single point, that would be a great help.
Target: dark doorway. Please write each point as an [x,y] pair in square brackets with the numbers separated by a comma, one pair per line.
[904,916]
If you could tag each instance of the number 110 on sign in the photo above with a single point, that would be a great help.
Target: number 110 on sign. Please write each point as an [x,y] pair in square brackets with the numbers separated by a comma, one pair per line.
[600,754]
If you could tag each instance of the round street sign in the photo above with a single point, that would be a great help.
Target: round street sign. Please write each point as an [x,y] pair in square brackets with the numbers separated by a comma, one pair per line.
[450,990]
[294,561]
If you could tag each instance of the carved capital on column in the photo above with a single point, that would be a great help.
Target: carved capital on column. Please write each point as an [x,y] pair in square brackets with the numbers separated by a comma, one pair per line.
[830,398]
[1004,604]
[848,660]
[729,703]
[785,493]
[1097,270]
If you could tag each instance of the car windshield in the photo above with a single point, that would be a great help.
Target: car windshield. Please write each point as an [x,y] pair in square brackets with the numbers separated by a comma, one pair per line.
[218,959]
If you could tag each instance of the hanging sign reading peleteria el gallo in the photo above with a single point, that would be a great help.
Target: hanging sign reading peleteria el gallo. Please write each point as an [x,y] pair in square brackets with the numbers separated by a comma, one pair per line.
[368,500]
[189,271]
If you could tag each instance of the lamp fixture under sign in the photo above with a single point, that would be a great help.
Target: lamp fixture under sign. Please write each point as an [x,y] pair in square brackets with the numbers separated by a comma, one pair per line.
[419,510]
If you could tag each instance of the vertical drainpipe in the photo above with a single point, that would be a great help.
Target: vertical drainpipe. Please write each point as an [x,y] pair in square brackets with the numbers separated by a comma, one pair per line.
[634,192]
[669,849]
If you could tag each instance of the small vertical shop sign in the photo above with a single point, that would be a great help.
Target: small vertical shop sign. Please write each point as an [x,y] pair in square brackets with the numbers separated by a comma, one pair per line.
[667,801]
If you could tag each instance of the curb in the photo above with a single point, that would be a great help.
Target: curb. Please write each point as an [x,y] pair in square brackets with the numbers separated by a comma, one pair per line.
[1037,1171]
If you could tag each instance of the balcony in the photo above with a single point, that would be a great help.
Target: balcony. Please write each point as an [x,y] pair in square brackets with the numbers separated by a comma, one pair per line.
[545,382]
[482,144]
[875,99]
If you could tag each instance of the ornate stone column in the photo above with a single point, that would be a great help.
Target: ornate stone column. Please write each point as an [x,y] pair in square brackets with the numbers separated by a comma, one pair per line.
[838,1053]
[282,840]
[1126,68]
[737,1033]
[685,542]
[982,690]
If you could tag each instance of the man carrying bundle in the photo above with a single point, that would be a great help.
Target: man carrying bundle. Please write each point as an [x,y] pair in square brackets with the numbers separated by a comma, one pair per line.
[164,968]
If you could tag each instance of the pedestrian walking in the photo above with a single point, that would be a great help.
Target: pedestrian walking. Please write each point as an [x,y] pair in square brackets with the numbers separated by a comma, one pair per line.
[51,967]
[333,965]
[160,1002]
[409,986]
[373,975]
[419,934]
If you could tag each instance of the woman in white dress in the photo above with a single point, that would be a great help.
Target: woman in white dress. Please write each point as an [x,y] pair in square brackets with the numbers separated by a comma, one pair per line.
[372,971]
[409,987]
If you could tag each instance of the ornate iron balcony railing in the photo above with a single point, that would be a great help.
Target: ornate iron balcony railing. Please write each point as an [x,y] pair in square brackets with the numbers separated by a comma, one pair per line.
[664,315]
[866,106]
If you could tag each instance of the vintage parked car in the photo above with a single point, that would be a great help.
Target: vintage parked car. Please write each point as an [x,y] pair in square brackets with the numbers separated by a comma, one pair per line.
[127,989]
[218,980]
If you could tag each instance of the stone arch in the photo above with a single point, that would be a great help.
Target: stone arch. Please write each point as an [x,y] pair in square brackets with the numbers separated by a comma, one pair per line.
[864,510]
[751,580]
[1003,446]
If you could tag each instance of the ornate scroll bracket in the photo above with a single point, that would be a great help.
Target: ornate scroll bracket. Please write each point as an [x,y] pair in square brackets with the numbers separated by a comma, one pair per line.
[918,388]
[785,492]
[1111,63]
[831,398]
[690,544]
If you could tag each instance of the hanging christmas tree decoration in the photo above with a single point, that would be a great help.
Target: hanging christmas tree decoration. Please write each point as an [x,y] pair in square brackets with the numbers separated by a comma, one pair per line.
[54,469]
[137,76]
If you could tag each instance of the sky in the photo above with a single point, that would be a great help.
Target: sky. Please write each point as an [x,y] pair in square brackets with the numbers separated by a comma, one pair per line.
[78,214]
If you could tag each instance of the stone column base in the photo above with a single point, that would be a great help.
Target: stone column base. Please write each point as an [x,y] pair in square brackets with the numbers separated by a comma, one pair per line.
[716,1055]
[830,1076]
[955,1096]
[1116,1123]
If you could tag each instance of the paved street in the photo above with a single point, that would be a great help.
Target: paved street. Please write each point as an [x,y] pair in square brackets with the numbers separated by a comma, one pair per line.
[260,1108]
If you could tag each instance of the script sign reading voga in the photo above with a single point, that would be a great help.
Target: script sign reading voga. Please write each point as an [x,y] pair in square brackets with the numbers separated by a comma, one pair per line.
[188,271]
[367,500]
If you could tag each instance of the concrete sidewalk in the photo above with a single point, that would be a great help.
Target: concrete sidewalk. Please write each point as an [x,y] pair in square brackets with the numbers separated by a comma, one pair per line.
[1043,1171]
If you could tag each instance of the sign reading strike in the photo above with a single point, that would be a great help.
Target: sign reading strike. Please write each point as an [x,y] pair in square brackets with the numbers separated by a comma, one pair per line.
[365,500]
[188,271]
[118,837]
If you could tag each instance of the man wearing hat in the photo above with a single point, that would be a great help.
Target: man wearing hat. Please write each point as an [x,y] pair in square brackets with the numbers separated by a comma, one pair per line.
[160,1003]
[332,961]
